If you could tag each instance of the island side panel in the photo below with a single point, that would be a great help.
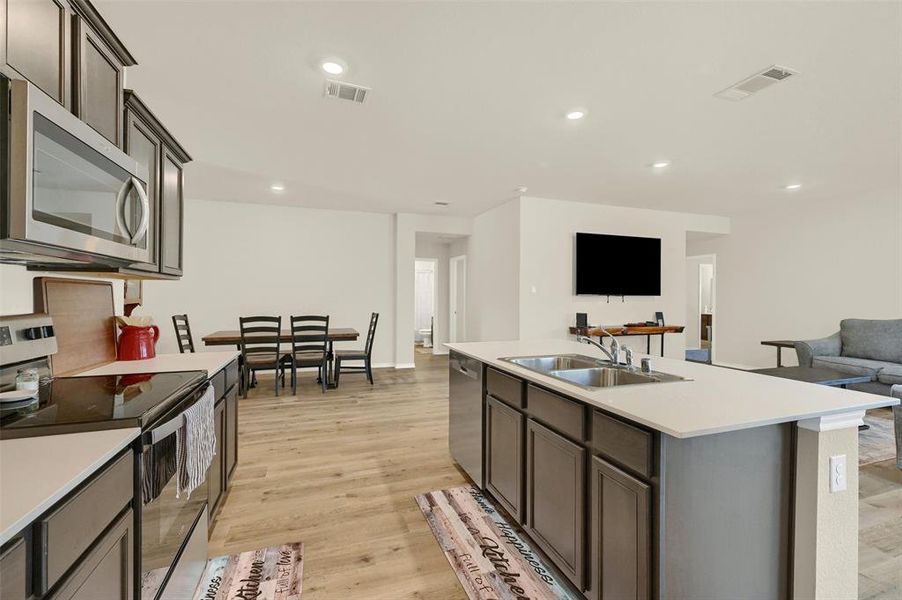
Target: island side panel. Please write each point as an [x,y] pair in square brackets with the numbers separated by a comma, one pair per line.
[727,514]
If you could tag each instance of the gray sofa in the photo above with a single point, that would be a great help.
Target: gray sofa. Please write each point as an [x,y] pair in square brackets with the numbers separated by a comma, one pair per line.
[861,347]
[897,418]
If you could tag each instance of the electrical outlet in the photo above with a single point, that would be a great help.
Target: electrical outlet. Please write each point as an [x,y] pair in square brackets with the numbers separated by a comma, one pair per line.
[838,473]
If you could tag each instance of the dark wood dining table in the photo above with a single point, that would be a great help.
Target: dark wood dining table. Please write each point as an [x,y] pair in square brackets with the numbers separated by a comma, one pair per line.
[232,337]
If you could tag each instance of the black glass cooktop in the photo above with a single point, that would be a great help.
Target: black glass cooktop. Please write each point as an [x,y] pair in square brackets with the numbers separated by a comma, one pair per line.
[74,404]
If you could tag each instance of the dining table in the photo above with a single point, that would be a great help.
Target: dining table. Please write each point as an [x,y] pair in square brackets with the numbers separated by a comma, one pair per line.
[232,337]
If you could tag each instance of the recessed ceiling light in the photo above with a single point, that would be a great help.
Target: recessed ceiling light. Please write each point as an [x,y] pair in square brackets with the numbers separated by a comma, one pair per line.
[333,67]
[576,115]
[277,187]
[660,164]
[792,186]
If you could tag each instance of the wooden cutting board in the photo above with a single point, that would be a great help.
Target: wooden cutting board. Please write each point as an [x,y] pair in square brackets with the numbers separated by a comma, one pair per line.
[83,319]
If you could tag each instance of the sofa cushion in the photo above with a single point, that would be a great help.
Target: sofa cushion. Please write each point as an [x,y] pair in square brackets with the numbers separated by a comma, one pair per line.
[890,375]
[853,366]
[872,339]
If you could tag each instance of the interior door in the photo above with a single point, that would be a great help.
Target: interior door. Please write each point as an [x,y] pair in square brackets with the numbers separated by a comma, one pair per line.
[458,298]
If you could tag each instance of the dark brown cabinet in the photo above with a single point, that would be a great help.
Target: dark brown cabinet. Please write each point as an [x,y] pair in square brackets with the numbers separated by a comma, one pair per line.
[142,142]
[555,498]
[171,203]
[621,534]
[98,82]
[215,473]
[107,570]
[231,432]
[13,571]
[38,37]
[504,455]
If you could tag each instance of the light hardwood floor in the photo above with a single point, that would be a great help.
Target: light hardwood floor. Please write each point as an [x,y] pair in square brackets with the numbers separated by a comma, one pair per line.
[338,471]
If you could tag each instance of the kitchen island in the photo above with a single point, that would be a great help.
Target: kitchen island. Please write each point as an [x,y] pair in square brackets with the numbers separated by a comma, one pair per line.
[716,486]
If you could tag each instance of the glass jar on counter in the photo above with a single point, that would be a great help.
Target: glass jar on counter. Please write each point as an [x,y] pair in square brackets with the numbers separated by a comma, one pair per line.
[27,380]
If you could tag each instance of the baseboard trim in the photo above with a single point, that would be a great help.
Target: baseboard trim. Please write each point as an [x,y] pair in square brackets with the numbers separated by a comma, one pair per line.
[405,366]
[383,365]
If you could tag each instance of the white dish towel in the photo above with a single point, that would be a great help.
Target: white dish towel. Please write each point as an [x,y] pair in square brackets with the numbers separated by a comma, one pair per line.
[196,444]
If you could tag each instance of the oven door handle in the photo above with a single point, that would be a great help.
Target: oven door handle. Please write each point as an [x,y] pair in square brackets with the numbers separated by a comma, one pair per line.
[167,428]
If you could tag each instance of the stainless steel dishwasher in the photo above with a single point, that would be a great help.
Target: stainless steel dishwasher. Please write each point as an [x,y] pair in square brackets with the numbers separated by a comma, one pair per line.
[465,414]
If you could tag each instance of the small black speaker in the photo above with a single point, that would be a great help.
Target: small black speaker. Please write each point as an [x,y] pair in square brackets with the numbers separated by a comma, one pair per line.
[582,320]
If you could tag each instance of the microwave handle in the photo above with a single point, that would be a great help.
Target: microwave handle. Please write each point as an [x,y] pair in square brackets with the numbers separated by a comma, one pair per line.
[120,206]
[145,211]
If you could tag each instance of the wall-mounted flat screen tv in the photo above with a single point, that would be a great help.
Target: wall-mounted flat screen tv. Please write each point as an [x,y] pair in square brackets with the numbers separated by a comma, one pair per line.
[618,265]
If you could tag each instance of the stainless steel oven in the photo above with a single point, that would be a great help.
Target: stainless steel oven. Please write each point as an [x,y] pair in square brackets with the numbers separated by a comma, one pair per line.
[173,529]
[69,190]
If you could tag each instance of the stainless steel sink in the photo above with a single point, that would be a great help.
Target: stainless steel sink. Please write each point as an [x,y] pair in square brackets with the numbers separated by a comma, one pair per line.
[588,372]
[556,362]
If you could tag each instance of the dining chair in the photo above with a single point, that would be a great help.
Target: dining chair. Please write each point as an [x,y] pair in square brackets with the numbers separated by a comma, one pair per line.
[183,333]
[260,350]
[355,355]
[309,347]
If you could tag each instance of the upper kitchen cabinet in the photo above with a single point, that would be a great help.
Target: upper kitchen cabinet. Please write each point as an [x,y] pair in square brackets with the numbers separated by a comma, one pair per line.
[151,144]
[98,62]
[37,44]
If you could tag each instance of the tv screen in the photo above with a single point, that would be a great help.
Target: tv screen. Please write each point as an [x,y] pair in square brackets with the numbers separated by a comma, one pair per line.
[617,265]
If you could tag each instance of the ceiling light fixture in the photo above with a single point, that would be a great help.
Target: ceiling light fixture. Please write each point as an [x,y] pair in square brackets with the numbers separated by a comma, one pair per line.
[576,115]
[660,164]
[792,186]
[333,67]
[277,187]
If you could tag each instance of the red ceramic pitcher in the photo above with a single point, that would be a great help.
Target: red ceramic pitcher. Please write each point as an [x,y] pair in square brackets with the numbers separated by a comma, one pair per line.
[137,343]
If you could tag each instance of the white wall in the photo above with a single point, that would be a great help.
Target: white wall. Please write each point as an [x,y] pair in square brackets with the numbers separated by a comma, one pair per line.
[548,304]
[16,289]
[431,249]
[493,274]
[794,271]
[257,259]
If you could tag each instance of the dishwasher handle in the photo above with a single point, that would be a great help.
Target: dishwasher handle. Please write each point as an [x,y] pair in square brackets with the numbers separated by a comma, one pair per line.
[461,367]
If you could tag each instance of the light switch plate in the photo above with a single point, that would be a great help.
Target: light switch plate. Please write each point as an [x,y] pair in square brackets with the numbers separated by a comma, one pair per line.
[838,473]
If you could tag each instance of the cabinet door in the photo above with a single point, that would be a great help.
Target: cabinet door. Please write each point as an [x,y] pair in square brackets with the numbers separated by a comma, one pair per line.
[170,215]
[98,83]
[621,539]
[14,572]
[106,571]
[142,144]
[214,474]
[504,456]
[231,417]
[37,44]
[555,498]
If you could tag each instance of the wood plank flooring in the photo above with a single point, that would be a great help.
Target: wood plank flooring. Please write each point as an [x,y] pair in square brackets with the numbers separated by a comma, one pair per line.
[339,472]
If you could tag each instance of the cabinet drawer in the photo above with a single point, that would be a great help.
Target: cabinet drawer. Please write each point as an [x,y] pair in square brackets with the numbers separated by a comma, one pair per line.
[220,386]
[504,387]
[567,416]
[13,573]
[625,444]
[231,374]
[70,529]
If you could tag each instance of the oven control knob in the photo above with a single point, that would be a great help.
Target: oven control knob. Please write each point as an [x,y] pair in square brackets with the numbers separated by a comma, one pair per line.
[47,330]
[33,333]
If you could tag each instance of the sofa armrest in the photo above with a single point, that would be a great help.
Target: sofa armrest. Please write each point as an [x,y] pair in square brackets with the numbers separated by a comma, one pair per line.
[828,346]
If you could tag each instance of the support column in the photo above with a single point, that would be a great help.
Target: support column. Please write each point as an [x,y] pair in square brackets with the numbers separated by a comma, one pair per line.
[826,523]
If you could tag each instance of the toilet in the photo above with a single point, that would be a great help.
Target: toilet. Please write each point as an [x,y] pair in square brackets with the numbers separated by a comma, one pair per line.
[426,334]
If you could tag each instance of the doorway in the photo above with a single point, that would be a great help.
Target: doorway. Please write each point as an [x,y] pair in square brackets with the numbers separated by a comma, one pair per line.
[457,305]
[701,287]
[424,302]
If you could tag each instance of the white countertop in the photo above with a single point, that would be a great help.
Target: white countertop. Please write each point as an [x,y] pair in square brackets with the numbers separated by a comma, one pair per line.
[715,401]
[37,472]
[211,362]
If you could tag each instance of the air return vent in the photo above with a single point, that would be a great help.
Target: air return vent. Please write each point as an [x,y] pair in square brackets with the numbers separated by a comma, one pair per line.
[343,90]
[756,83]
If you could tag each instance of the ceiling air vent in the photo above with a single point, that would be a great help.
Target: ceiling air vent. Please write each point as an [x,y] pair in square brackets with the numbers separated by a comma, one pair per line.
[756,83]
[343,90]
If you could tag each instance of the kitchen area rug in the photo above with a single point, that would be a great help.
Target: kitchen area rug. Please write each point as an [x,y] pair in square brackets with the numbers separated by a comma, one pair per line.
[490,558]
[272,573]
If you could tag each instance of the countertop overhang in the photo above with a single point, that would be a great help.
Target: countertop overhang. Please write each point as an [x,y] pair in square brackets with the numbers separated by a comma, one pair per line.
[713,400]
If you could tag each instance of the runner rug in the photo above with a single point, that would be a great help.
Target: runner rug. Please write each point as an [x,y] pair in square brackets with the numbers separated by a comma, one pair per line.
[272,573]
[491,560]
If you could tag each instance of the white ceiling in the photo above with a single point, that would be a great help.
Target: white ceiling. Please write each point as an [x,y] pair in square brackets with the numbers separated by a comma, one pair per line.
[468,100]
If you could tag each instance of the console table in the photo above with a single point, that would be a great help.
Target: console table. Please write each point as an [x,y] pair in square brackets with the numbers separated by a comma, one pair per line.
[779,345]
[624,331]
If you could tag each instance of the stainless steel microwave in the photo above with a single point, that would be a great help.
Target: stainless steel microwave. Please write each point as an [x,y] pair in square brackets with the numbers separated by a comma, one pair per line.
[70,193]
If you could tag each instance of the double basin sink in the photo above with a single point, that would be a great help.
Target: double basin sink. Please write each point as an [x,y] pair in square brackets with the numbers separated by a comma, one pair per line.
[588,372]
